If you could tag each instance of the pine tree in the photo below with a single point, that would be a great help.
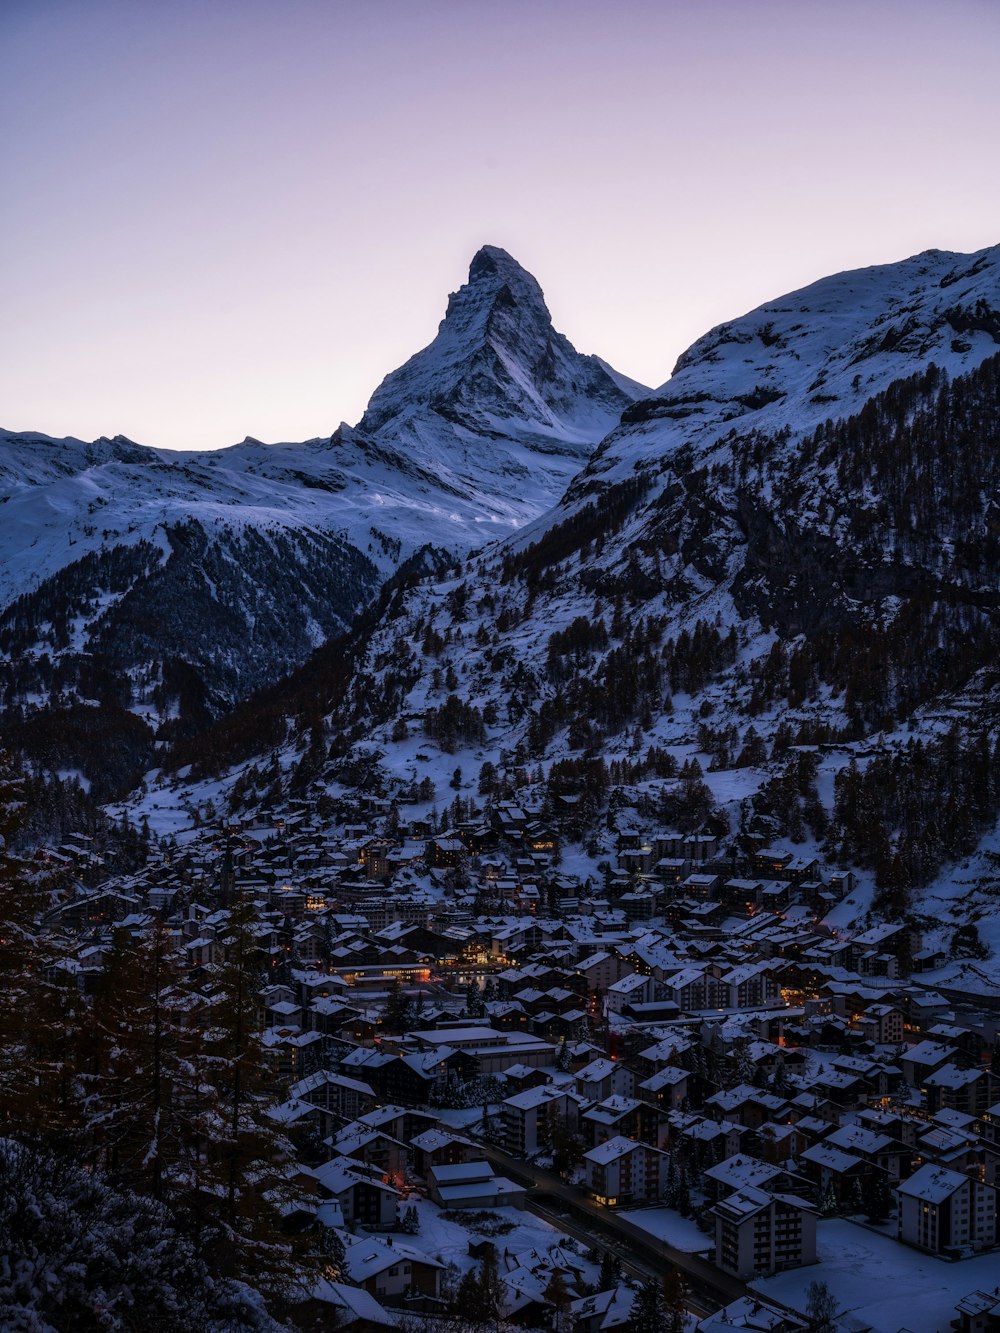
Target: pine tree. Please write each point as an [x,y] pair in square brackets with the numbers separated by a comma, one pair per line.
[329,1254]
[675,1296]
[611,1271]
[670,1191]
[474,1006]
[37,1013]
[558,1295]
[136,1061]
[243,1183]
[649,1309]
[683,1194]
[876,1199]
[490,1289]
[468,1298]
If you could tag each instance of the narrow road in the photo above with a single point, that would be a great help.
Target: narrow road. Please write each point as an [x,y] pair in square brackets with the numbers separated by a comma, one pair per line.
[647,1255]
[632,1257]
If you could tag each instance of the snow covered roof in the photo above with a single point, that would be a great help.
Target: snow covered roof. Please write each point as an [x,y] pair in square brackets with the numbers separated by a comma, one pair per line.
[933,1184]
[612,1149]
[740,1171]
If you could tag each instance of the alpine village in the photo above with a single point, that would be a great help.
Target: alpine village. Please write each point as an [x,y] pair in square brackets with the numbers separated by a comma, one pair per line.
[528,860]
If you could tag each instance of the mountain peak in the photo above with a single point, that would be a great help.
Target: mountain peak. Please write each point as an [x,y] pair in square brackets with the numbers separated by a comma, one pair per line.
[498,373]
[495,278]
[491,262]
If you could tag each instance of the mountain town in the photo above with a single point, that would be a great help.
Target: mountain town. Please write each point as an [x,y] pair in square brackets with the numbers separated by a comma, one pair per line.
[593,926]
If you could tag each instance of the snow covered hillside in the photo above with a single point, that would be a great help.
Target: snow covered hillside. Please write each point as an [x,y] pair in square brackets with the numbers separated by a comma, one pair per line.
[477,433]
[784,565]
[173,584]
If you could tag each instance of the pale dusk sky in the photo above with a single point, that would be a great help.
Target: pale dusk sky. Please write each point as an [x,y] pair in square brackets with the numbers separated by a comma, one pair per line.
[235,217]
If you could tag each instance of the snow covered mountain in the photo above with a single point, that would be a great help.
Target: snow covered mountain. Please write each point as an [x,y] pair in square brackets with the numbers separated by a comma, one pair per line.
[816,353]
[175,583]
[499,402]
[795,542]
[478,433]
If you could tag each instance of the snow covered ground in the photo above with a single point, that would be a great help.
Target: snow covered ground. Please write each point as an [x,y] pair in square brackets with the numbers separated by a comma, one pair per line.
[668,1225]
[881,1281]
[446,1238]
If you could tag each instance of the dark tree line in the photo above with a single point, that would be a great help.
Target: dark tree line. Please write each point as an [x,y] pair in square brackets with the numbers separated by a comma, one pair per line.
[909,811]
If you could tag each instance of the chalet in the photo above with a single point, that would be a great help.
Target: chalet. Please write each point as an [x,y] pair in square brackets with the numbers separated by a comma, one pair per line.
[952,1088]
[602,1078]
[881,1024]
[772,862]
[632,989]
[341,1306]
[389,1269]
[701,888]
[376,1149]
[527,1117]
[751,985]
[602,969]
[713,1140]
[438,1147]
[740,1172]
[924,1059]
[604,1311]
[834,1172]
[364,1197]
[880,1151]
[745,1104]
[624,1116]
[667,1088]
[979,1312]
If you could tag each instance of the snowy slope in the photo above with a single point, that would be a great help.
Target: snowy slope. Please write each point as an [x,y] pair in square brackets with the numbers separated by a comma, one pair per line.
[816,353]
[271,549]
[477,433]
[712,503]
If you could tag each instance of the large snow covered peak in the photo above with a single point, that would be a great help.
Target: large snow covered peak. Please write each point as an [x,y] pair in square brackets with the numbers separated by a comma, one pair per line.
[497,366]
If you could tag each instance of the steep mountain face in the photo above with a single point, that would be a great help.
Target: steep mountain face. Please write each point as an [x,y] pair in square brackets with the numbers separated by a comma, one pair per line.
[784,560]
[171,585]
[496,415]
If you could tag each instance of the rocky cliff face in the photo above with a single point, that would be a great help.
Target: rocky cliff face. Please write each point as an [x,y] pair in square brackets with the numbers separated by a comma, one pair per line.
[496,415]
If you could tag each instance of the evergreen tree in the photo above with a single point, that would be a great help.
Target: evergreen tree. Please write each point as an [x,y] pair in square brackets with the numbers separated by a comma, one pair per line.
[243,1186]
[559,1296]
[489,1291]
[474,1006]
[36,1013]
[611,1271]
[876,1197]
[468,1304]
[675,1297]
[136,1061]
[670,1191]
[649,1309]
